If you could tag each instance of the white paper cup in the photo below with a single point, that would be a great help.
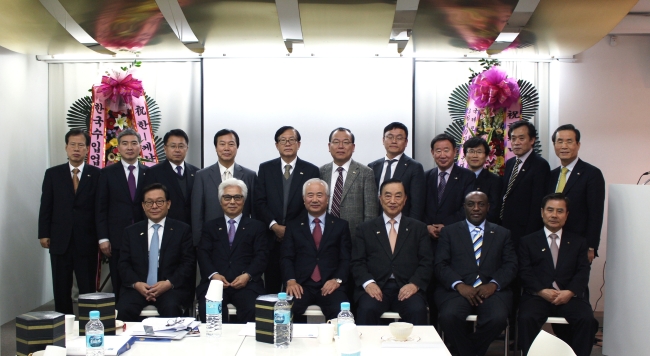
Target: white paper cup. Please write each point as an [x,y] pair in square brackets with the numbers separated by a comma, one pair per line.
[326,333]
[51,350]
[69,324]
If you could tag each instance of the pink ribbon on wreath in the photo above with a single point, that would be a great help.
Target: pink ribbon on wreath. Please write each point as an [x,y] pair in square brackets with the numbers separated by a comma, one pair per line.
[116,87]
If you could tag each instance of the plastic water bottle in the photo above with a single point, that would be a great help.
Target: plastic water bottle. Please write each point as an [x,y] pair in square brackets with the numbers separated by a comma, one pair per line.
[282,322]
[94,335]
[213,318]
[345,317]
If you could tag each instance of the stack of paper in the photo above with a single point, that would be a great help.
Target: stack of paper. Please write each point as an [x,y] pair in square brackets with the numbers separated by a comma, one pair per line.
[166,328]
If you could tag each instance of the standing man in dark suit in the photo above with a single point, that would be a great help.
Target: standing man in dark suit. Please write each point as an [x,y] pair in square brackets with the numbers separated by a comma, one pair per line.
[554,272]
[207,180]
[397,165]
[475,264]
[476,151]
[316,255]
[581,182]
[175,174]
[156,262]
[119,201]
[447,185]
[233,250]
[278,197]
[391,262]
[66,221]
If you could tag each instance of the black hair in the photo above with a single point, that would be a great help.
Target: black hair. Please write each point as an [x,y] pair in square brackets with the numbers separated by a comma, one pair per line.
[567,127]
[177,133]
[390,181]
[78,132]
[532,131]
[555,196]
[282,129]
[155,186]
[341,129]
[475,142]
[397,125]
[443,137]
[224,132]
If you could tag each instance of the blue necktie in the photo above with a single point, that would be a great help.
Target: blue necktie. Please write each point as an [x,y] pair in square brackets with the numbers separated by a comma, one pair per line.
[152,277]
[477,241]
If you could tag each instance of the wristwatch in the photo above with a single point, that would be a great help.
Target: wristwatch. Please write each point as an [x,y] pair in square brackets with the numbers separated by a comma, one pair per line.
[338,280]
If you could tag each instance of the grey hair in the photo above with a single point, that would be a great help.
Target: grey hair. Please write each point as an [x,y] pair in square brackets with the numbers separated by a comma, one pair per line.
[315,180]
[233,182]
[128,132]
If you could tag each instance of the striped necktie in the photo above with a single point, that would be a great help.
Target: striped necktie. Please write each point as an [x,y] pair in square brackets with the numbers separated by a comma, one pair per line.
[477,241]
[513,176]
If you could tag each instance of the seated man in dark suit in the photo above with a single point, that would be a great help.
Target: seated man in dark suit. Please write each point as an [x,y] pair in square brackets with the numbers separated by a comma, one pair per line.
[475,264]
[316,255]
[554,272]
[476,152]
[233,249]
[156,261]
[391,262]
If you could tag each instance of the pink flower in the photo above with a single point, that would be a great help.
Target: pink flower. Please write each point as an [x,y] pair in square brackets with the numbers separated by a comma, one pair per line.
[494,89]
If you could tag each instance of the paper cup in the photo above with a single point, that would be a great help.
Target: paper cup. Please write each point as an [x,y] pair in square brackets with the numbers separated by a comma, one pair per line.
[69,324]
[326,333]
[54,351]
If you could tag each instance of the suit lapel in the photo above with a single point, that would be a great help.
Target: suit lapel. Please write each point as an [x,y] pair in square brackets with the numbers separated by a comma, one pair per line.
[238,171]
[350,178]
[327,174]
[565,250]
[122,178]
[400,167]
[296,180]
[141,174]
[306,232]
[382,236]
[85,177]
[222,234]
[451,183]
[277,177]
[488,239]
[66,177]
[577,172]
[327,234]
[522,170]
[189,175]
[403,234]
[143,239]
[466,240]
[434,179]
[215,174]
[239,234]
[377,168]
[171,176]
[542,244]
[167,236]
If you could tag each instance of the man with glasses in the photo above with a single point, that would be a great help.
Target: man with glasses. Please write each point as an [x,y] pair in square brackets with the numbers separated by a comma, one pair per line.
[397,165]
[66,221]
[157,260]
[175,174]
[233,249]
[476,151]
[278,198]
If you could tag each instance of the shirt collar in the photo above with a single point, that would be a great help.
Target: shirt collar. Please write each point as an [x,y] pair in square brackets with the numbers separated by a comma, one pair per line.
[478,172]
[526,155]
[292,163]
[126,165]
[396,158]
[161,223]
[176,165]
[472,226]
[321,218]
[237,218]
[223,169]
[81,167]
[572,165]
[346,166]
[548,233]
[448,170]
[387,219]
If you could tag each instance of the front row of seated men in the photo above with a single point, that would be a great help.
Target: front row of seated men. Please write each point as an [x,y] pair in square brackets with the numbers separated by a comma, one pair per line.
[390,259]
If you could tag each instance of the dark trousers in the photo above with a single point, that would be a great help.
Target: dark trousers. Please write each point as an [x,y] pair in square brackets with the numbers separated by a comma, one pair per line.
[433,308]
[169,304]
[272,275]
[83,265]
[534,310]
[492,318]
[330,304]
[242,299]
[412,310]
[116,280]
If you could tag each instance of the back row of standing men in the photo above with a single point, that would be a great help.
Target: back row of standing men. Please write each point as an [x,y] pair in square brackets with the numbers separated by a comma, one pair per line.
[102,206]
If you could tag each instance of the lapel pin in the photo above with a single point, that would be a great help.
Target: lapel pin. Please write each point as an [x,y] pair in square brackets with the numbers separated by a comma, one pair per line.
[192,175]
[220,229]
[377,232]
[300,172]
[456,178]
[354,172]
[302,223]
[243,228]
[492,232]
[578,173]
[478,188]
[89,175]
[568,242]
[407,229]
[543,249]
[523,170]
[142,233]
[171,229]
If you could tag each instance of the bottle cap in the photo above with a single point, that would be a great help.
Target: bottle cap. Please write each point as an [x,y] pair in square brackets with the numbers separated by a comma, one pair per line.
[282,296]
[345,306]
[94,314]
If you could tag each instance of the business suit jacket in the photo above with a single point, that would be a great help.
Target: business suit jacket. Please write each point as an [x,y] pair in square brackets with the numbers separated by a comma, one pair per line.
[490,184]
[205,195]
[372,257]
[269,199]
[65,216]
[114,209]
[450,209]
[411,173]
[176,255]
[248,253]
[522,212]
[536,269]
[455,260]
[359,199]
[586,192]
[300,255]
[164,174]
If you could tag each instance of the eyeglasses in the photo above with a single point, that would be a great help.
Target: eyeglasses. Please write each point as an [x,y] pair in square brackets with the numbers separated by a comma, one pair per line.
[172,322]
[337,143]
[284,141]
[149,203]
[180,147]
[394,138]
[227,198]
[475,152]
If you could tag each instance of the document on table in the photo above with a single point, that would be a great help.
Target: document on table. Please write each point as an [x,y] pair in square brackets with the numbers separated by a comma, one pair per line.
[299,330]
[113,345]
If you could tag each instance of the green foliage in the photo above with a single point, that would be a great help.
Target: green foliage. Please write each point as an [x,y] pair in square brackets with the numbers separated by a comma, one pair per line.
[486,64]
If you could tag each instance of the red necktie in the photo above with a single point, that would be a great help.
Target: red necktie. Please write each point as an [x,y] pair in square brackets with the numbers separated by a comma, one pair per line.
[318,235]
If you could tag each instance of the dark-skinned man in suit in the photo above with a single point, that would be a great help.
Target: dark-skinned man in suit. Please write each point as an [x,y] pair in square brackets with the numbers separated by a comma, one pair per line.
[474,265]
[119,201]
[476,152]
[66,221]
[278,198]
[554,271]
[400,166]
[316,255]
[391,262]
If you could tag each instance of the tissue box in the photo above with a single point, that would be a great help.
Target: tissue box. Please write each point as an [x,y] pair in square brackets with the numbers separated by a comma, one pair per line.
[36,330]
[264,317]
[105,303]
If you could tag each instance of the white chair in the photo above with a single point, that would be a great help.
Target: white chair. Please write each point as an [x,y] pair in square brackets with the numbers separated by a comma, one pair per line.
[149,311]
[390,315]
[549,320]
[313,310]
[546,344]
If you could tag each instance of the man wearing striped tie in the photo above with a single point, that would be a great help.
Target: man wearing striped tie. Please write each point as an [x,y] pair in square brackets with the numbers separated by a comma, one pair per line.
[477,283]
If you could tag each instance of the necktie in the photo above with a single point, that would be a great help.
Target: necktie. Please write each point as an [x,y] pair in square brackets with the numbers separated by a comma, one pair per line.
[338,194]
[226,175]
[513,176]
[392,236]
[318,235]
[477,241]
[389,172]
[131,182]
[441,185]
[152,276]
[75,179]
[179,169]
[562,182]
[287,171]
[555,249]
[231,231]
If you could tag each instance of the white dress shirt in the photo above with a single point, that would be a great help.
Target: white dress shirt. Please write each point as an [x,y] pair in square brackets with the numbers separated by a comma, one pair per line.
[569,166]
[387,223]
[393,167]
[448,170]
[81,168]
[335,175]
[135,171]
[548,233]
[182,165]
[223,171]
[523,158]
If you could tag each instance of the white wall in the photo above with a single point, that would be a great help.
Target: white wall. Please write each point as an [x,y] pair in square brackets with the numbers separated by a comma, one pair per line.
[25,276]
